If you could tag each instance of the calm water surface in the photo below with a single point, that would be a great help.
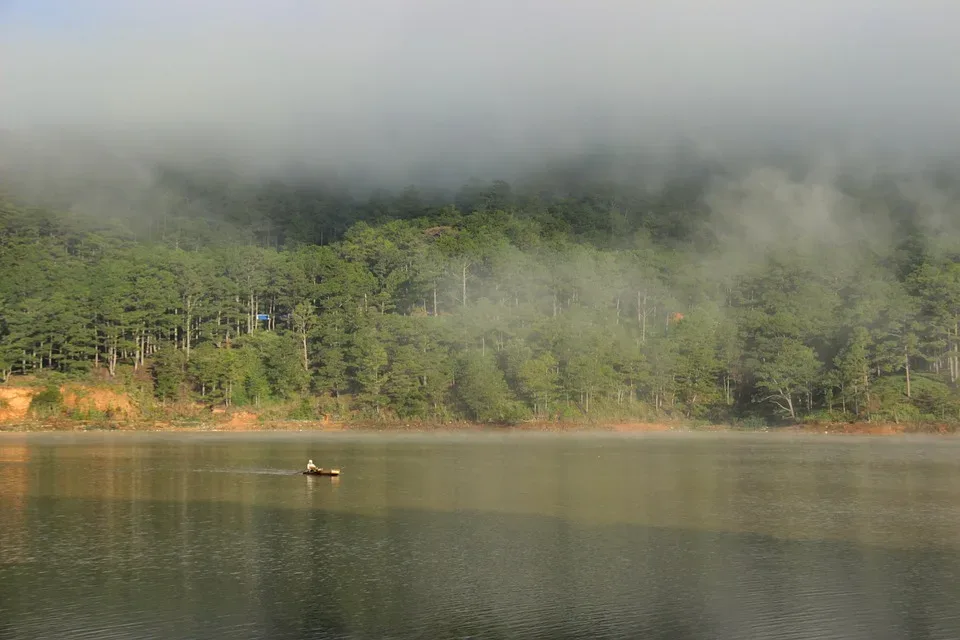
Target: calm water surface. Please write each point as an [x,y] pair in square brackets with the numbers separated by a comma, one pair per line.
[482,536]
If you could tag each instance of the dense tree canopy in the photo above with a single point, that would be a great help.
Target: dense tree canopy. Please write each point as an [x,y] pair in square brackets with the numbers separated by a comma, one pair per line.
[766,297]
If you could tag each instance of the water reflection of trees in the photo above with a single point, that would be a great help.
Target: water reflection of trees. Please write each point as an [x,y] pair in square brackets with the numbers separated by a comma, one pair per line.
[869,491]
[14,491]
[691,536]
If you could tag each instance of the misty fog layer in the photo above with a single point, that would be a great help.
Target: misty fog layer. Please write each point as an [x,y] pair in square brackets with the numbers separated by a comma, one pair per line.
[395,88]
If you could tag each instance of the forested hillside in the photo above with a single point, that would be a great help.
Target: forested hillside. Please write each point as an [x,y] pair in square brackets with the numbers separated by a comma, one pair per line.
[752,297]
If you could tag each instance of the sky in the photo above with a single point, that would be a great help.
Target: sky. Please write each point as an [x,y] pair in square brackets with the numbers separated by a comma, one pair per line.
[389,84]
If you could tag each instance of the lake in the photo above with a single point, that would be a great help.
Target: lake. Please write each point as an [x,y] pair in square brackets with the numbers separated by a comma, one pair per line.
[435,536]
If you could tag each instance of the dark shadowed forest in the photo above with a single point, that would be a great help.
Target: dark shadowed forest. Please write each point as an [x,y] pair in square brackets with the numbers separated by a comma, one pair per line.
[595,289]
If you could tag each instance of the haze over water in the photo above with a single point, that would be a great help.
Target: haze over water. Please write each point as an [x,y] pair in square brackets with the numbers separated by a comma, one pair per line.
[668,536]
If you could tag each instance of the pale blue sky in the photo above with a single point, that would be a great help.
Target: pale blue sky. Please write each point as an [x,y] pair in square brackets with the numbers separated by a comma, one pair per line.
[51,13]
[91,13]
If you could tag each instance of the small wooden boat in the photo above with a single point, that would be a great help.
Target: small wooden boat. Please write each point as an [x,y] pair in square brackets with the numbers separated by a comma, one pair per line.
[322,472]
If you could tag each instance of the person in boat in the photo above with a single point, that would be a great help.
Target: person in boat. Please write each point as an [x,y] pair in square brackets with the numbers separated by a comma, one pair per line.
[311,466]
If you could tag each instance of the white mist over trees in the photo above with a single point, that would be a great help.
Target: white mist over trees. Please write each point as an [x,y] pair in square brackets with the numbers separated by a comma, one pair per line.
[714,297]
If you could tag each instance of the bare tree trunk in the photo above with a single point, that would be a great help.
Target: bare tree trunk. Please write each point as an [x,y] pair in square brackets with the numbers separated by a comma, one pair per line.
[112,362]
[906,364]
[642,315]
[186,342]
[866,392]
[955,356]
[306,357]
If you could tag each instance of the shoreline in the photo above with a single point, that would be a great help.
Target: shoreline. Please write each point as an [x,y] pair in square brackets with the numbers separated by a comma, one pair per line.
[88,407]
[250,424]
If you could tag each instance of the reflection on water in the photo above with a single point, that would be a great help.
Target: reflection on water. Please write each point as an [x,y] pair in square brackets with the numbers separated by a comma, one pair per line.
[14,454]
[123,536]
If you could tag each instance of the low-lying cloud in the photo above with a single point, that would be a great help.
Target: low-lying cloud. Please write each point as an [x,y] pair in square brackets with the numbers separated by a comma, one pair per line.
[391,85]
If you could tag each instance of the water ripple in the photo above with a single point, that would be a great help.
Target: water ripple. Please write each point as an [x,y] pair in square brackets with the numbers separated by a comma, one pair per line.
[670,539]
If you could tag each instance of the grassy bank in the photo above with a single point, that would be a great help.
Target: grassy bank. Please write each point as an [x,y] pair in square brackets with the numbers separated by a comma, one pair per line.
[249,422]
[42,404]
